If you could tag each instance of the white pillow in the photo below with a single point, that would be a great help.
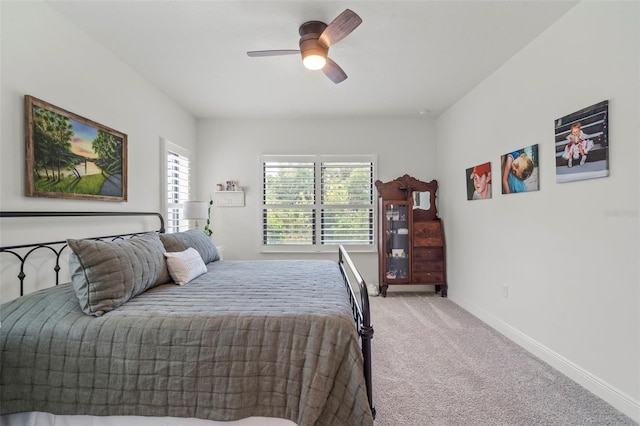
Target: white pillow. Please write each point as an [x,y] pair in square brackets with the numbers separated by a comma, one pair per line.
[185,265]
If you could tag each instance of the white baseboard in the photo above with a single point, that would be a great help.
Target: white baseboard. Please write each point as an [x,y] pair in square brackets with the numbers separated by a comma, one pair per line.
[616,398]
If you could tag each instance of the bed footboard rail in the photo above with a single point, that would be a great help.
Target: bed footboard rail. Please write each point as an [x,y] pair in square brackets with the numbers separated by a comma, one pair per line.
[361,315]
[23,251]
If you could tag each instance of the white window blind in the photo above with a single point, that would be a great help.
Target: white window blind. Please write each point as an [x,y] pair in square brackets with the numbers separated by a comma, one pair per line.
[177,187]
[347,203]
[289,197]
[311,202]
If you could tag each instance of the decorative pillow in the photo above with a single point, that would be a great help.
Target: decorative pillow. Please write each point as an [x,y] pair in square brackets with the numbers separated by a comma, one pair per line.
[180,241]
[185,265]
[105,274]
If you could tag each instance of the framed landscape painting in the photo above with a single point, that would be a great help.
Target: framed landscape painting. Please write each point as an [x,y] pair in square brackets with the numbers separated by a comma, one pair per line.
[69,156]
[582,144]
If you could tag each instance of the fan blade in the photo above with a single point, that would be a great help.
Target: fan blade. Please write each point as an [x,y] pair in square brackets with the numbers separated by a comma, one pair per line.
[257,53]
[339,28]
[334,72]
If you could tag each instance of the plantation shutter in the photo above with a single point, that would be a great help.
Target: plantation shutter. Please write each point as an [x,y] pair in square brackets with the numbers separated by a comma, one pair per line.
[288,215]
[177,190]
[347,203]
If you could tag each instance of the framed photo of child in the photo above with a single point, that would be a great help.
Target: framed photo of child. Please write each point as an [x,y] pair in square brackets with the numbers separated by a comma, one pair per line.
[479,182]
[519,170]
[582,144]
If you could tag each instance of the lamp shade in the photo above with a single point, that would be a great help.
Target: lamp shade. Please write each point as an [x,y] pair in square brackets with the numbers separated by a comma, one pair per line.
[194,210]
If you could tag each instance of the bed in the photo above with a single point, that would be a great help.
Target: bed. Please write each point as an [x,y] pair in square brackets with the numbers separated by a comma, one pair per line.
[267,339]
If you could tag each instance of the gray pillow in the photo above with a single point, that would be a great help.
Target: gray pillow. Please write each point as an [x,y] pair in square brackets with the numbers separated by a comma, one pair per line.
[105,274]
[180,241]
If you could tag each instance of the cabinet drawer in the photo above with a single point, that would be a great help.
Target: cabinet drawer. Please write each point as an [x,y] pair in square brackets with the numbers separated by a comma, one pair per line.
[427,234]
[426,254]
[427,266]
[428,277]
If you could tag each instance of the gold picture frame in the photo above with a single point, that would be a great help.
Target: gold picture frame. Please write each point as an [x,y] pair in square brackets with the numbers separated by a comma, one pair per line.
[69,156]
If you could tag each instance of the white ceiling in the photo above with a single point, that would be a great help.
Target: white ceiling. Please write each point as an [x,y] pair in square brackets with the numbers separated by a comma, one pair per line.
[406,56]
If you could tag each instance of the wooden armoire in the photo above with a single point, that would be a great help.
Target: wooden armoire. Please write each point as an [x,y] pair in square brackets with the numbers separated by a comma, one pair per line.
[411,245]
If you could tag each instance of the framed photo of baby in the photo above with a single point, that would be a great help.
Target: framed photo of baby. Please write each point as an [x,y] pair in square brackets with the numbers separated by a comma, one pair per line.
[479,182]
[519,170]
[582,144]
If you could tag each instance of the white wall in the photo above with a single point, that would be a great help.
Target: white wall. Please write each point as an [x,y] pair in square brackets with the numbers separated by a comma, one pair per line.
[231,149]
[45,56]
[569,252]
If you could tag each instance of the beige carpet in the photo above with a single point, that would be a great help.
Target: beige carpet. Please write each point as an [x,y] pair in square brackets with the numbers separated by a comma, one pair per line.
[436,364]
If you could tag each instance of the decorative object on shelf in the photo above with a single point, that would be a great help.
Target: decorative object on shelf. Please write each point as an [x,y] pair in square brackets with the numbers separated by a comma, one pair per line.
[230,185]
[398,252]
[69,156]
[582,144]
[195,210]
[411,247]
[519,170]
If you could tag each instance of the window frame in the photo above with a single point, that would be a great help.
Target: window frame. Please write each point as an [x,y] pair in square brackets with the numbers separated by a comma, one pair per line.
[317,246]
[183,224]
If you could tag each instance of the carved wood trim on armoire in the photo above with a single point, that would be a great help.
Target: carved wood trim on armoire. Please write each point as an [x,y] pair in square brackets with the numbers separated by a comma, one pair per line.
[411,245]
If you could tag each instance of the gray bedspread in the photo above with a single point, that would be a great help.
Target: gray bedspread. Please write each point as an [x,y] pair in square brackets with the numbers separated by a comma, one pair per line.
[249,338]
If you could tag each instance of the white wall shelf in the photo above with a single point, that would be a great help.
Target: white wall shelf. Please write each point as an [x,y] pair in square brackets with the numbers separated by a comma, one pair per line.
[229,199]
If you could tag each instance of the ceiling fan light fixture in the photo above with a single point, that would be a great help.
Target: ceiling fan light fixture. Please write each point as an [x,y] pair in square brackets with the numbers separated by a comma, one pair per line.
[314,62]
[314,55]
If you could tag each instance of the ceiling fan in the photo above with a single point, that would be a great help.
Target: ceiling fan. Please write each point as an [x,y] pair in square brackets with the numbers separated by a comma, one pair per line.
[315,39]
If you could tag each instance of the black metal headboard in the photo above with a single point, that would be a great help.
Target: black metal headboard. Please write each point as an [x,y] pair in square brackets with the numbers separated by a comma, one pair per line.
[23,251]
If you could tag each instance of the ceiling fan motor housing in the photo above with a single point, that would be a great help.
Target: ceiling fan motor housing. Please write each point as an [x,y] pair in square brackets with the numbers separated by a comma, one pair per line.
[309,34]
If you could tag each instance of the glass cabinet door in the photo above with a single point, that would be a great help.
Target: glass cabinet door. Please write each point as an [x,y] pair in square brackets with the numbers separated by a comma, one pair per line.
[397,241]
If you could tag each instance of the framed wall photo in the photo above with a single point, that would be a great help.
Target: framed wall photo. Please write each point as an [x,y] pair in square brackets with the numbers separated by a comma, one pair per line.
[582,144]
[519,170]
[69,156]
[479,182]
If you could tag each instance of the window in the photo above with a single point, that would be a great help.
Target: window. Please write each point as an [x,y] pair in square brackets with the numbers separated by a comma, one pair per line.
[314,203]
[176,185]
